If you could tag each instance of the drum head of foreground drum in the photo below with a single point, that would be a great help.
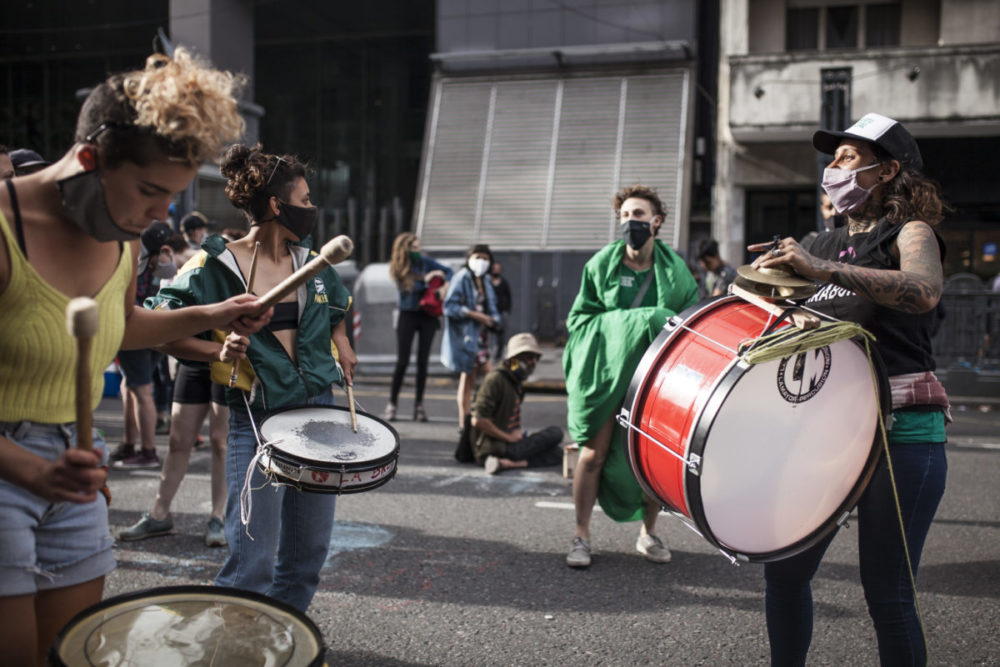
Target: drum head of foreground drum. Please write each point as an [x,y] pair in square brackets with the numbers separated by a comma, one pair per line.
[189,625]
[324,434]
[788,448]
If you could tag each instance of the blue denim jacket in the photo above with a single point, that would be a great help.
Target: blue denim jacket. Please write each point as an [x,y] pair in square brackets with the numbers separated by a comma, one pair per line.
[410,300]
[460,337]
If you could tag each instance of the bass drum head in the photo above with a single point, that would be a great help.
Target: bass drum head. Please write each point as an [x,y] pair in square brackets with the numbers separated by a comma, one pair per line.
[189,625]
[788,451]
[323,434]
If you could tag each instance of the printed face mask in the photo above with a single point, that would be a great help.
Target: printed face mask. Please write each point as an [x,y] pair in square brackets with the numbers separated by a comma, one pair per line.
[479,266]
[842,187]
[636,233]
[84,203]
[299,220]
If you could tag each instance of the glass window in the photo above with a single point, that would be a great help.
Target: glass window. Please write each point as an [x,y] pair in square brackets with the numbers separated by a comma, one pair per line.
[882,25]
[802,29]
[841,27]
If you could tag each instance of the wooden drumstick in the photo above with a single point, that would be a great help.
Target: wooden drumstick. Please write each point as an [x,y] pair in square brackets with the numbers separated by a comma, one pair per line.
[798,318]
[253,274]
[82,321]
[333,252]
[354,414]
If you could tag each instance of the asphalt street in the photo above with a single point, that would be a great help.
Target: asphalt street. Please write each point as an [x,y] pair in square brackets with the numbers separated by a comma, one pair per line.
[445,565]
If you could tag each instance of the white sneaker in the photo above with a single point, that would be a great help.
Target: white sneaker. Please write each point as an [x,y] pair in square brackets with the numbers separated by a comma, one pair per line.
[653,549]
[491,465]
[579,553]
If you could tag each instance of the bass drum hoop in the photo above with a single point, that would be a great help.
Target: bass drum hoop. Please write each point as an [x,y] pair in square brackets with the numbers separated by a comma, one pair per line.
[222,592]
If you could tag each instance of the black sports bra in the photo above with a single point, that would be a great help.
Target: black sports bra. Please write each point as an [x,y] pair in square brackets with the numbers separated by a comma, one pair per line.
[286,316]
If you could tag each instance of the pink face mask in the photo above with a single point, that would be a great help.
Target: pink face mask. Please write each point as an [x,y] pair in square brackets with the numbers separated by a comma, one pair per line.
[842,187]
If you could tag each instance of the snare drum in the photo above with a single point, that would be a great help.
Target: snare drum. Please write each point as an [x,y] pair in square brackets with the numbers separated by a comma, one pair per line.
[189,625]
[314,448]
[763,459]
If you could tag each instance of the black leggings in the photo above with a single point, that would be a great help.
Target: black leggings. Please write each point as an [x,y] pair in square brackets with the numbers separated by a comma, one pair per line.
[410,323]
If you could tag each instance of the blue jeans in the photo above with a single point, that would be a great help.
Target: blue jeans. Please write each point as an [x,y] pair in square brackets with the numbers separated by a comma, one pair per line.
[290,529]
[920,471]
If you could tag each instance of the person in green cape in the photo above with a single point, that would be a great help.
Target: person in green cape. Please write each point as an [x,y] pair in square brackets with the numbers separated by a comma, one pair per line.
[628,291]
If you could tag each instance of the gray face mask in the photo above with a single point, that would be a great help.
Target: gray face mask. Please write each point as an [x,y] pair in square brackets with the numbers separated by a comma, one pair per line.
[84,203]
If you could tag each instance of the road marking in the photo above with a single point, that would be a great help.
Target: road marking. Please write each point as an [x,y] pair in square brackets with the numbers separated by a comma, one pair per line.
[549,505]
[972,443]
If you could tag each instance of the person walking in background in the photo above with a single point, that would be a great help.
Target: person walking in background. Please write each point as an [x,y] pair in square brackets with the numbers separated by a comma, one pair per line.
[501,288]
[194,227]
[500,441]
[718,274]
[419,314]
[470,312]
[883,270]
[628,290]
[138,366]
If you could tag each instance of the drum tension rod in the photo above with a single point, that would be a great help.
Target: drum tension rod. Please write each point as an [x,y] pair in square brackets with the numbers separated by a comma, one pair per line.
[693,463]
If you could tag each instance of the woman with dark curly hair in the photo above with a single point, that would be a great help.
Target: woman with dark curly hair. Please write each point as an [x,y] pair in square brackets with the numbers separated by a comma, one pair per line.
[283,546]
[412,271]
[72,230]
[882,270]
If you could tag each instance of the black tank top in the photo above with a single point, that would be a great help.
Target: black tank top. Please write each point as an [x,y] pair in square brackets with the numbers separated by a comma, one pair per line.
[903,339]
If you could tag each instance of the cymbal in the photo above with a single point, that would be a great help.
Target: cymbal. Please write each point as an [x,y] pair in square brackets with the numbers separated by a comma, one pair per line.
[773,276]
[775,291]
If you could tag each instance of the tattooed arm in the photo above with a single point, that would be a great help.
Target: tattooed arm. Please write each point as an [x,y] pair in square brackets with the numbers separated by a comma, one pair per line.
[914,288]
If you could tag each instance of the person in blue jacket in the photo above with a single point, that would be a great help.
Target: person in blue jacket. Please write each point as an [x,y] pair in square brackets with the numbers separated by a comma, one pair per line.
[413,273]
[470,312]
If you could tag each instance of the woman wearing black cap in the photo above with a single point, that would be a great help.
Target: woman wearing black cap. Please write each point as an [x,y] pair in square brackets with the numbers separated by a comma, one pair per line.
[882,270]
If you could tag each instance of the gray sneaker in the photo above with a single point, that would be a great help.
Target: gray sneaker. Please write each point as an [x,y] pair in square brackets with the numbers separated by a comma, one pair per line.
[145,527]
[579,553]
[491,465]
[653,549]
[215,534]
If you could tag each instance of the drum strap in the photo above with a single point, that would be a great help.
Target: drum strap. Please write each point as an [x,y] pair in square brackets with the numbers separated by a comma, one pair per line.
[643,288]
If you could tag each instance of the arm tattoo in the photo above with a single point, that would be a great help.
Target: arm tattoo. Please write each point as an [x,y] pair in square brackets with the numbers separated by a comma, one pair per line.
[914,288]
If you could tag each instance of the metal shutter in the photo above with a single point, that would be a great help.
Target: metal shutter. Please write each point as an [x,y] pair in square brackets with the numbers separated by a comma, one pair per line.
[531,164]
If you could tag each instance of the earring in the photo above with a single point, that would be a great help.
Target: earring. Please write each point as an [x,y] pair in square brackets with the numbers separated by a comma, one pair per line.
[88,158]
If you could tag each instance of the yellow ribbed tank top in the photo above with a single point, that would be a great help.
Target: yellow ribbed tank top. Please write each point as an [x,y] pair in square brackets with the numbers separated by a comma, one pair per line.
[37,353]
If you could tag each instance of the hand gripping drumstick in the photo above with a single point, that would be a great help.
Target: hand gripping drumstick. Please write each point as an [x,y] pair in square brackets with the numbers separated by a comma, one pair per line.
[82,320]
[333,252]
[354,414]
[250,278]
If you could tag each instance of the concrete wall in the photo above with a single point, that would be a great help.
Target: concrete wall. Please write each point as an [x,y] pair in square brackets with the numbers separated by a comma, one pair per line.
[488,25]
[970,22]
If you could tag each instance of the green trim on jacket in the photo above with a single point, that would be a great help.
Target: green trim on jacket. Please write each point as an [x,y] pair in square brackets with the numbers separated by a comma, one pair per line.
[212,275]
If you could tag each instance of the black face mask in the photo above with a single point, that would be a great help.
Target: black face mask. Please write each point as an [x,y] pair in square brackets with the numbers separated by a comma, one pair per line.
[299,220]
[84,203]
[636,233]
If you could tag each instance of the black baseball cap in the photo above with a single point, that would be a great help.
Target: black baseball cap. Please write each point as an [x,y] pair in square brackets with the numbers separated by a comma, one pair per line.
[886,133]
[25,158]
[155,236]
[194,220]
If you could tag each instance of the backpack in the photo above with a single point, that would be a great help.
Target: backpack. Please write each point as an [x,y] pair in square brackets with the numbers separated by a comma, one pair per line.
[463,452]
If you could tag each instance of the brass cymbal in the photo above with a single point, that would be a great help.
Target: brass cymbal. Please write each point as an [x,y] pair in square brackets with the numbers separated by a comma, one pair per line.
[775,291]
[773,276]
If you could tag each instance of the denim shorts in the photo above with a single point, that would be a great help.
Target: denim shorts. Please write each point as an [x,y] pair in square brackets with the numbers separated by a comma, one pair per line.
[47,545]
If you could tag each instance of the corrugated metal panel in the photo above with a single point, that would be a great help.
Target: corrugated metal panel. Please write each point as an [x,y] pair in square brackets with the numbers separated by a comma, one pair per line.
[516,183]
[454,164]
[653,146]
[585,164]
[526,164]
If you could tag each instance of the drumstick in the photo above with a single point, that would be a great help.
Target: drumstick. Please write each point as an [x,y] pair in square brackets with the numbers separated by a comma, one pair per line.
[253,274]
[354,414]
[798,318]
[333,252]
[82,321]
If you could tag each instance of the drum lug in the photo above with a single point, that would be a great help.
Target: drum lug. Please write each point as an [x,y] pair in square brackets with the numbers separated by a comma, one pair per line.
[673,322]
[843,520]
[694,464]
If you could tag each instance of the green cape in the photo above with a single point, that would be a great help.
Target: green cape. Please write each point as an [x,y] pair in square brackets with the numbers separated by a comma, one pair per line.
[605,345]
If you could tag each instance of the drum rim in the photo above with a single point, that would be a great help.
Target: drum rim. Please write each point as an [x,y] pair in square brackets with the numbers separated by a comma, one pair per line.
[221,591]
[391,456]
[313,487]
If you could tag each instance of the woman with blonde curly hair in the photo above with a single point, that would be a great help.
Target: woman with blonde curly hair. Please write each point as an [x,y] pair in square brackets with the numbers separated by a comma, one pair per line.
[413,272]
[72,230]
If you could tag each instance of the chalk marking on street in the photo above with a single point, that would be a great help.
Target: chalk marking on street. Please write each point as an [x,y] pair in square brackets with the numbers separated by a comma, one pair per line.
[972,443]
[549,505]
[201,476]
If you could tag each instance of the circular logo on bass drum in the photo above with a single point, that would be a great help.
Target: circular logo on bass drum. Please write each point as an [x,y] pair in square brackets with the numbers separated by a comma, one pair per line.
[802,376]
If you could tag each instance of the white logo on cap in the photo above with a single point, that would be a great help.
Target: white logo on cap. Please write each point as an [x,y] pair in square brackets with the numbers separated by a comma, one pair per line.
[871,126]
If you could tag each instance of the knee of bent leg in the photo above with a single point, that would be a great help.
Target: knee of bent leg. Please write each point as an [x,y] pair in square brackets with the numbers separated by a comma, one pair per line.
[591,460]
